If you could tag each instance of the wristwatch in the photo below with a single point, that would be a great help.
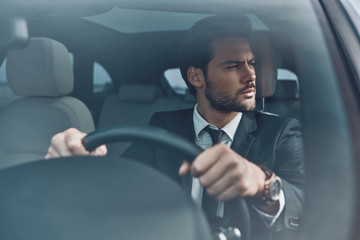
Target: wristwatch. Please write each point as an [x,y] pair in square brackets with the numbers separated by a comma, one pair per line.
[272,187]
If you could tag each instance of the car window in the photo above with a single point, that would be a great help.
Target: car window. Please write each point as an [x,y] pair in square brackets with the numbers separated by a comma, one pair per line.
[101,79]
[3,71]
[356,6]
[352,10]
[173,77]
[135,46]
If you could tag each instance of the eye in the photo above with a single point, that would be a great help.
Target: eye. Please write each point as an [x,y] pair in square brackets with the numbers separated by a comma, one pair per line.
[252,63]
[231,67]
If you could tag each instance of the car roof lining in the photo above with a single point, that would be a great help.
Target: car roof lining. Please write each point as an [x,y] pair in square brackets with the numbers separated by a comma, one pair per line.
[149,21]
[66,8]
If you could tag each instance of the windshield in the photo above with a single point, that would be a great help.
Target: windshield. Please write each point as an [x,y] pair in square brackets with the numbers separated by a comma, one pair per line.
[272,87]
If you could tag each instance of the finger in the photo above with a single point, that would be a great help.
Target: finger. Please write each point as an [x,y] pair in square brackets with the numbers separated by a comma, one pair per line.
[184,168]
[58,147]
[228,194]
[73,140]
[222,185]
[219,170]
[207,158]
[234,184]
[100,151]
[51,153]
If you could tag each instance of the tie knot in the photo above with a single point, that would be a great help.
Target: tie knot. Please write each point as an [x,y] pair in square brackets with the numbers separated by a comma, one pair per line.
[214,134]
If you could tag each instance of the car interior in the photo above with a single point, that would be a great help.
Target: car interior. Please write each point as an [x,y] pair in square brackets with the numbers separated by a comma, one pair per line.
[134,102]
[47,81]
[108,65]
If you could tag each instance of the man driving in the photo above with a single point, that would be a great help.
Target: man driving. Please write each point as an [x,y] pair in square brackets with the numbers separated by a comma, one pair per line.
[248,154]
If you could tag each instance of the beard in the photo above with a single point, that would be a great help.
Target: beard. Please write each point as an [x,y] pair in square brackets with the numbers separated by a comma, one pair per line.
[225,103]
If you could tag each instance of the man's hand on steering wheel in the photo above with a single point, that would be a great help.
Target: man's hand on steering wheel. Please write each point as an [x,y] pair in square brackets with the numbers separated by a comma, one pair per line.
[68,143]
[225,174]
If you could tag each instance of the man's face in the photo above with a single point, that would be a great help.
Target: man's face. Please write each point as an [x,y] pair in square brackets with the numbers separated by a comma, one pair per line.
[230,76]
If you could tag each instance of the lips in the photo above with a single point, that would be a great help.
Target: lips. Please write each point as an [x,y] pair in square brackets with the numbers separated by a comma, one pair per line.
[248,91]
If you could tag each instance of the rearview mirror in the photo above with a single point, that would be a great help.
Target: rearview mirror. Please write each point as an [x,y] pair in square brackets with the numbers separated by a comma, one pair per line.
[14,33]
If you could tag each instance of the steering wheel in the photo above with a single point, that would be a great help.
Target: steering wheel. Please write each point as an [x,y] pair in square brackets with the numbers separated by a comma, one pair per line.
[179,145]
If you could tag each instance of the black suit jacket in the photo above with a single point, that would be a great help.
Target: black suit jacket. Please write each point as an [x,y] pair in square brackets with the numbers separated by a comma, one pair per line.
[262,139]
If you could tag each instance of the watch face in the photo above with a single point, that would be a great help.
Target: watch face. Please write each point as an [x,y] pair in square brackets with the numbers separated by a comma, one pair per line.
[275,188]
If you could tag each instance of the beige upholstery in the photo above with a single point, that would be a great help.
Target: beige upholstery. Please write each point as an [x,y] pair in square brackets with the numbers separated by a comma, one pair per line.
[134,105]
[141,93]
[266,66]
[42,73]
[44,68]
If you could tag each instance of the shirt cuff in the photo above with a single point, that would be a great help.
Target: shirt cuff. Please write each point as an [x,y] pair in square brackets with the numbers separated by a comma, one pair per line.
[268,219]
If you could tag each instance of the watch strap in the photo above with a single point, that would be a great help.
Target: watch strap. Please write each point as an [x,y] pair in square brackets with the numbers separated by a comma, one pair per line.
[270,177]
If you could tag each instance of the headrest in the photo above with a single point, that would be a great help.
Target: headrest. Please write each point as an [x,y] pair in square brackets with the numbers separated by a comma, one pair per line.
[42,69]
[286,89]
[139,92]
[265,67]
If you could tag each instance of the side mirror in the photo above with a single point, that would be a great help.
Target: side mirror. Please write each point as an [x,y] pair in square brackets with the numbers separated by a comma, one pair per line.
[14,33]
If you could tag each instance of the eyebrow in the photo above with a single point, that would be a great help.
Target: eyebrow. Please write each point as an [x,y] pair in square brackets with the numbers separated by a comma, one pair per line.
[236,62]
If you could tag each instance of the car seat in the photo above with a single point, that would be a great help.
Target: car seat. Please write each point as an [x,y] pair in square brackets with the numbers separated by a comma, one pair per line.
[134,105]
[42,74]
[265,67]
[286,100]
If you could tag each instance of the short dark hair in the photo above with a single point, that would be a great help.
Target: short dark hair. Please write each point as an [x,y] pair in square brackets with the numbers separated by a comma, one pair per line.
[195,47]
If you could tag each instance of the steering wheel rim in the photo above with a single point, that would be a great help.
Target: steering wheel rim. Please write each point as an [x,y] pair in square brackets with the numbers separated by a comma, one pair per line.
[150,134]
[163,138]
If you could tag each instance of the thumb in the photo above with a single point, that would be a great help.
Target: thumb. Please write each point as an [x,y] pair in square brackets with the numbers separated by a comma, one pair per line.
[184,168]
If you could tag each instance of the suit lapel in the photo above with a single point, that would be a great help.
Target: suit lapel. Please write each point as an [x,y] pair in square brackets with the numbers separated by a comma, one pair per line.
[186,130]
[243,137]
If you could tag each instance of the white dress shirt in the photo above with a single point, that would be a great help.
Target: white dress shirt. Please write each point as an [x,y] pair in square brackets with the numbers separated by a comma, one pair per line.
[203,140]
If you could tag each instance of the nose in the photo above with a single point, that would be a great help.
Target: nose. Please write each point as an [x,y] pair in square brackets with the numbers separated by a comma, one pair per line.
[249,74]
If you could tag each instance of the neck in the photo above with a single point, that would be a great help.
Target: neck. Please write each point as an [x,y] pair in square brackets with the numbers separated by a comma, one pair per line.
[215,117]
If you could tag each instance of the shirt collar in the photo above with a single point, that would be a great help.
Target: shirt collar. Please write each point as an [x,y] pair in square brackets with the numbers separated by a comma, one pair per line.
[200,123]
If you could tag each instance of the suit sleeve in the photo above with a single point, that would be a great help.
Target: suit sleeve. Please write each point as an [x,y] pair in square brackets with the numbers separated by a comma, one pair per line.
[289,166]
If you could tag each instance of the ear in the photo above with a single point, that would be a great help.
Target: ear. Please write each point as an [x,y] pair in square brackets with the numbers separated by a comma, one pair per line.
[195,77]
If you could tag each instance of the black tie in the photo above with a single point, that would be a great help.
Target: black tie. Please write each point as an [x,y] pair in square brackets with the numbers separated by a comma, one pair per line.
[214,134]
[209,203]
